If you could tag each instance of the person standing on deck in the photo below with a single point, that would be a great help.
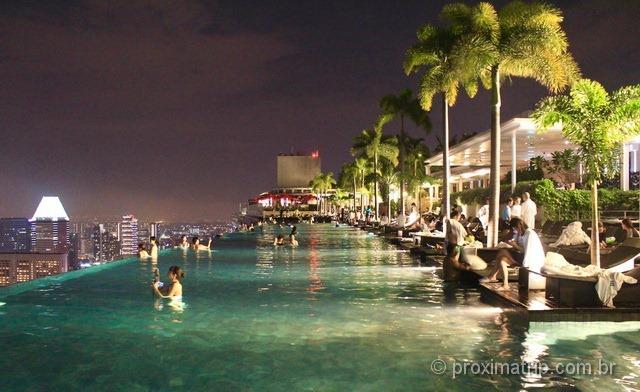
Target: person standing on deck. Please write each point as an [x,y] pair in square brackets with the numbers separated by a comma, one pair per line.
[483,214]
[529,211]
[516,208]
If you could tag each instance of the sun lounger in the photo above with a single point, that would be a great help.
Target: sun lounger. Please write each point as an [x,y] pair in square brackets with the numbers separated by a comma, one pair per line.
[577,291]
[621,259]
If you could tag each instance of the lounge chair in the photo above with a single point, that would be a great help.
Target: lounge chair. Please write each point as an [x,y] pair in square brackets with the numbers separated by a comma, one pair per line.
[574,291]
[621,259]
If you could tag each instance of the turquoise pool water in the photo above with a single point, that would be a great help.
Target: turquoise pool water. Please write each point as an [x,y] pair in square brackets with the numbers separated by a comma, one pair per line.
[345,311]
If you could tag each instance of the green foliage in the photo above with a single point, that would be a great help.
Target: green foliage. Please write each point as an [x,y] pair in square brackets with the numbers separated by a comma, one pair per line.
[595,121]
[558,203]
[405,106]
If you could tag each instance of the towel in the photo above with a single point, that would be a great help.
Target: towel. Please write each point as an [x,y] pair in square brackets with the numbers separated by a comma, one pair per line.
[572,235]
[609,283]
[607,286]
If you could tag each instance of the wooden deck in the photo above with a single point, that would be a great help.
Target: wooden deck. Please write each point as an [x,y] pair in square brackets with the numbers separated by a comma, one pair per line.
[532,304]
[536,307]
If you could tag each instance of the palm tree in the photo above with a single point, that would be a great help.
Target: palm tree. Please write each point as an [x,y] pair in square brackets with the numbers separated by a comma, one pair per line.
[404,105]
[361,165]
[521,40]
[416,152]
[373,144]
[349,179]
[320,184]
[389,177]
[598,123]
[446,69]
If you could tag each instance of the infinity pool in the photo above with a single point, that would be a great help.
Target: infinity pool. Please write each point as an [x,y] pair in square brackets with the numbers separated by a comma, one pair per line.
[344,311]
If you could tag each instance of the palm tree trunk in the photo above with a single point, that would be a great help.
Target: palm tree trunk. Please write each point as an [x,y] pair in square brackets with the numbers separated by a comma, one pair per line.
[446,169]
[362,195]
[354,194]
[494,178]
[401,153]
[389,203]
[375,186]
[595,234]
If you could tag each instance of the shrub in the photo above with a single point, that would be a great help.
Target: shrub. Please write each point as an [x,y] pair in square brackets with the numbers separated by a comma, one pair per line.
[557,203]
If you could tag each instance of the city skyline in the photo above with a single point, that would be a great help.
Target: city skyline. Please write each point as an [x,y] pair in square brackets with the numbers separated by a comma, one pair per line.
[178,112]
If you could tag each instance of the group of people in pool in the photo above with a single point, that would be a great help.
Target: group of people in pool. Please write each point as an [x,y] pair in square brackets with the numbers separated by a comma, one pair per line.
[173,289]
[279,240]
[152,253]
[195,244]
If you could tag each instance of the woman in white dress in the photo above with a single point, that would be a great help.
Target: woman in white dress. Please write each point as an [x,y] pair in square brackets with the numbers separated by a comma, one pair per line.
[525,240]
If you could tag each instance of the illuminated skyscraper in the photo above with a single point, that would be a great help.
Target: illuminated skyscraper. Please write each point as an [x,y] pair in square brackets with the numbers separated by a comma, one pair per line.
[15,235]
[50,227]
[128,233]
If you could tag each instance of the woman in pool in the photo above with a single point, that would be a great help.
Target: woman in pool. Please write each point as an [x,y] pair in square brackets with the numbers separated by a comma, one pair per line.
[196,245]
[184,244]
[292,236]
[154,248]
[173,290]
[279,240]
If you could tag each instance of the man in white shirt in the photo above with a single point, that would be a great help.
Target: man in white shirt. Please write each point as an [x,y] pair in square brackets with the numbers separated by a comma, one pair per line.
[528,211]
[455,233]
[454,241]
[516,208]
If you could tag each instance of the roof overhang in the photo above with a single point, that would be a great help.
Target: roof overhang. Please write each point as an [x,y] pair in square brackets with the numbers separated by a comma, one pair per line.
[475,152]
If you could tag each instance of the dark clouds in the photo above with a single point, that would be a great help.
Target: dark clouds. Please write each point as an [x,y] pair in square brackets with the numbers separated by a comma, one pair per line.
[176,109]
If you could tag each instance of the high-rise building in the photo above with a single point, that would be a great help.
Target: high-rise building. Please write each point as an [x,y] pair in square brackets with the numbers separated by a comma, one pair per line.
[22,267]
[112,246]
[297,170]
[154,229]
[50,227]
[15,235]
[97,237]
[128,235]
[106,246]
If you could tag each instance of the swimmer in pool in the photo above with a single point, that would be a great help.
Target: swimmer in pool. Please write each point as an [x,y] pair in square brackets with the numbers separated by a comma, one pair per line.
[279,240]
[173,290]
[154,248]
[184,244]
[292,237]
[196,245]
[142,252]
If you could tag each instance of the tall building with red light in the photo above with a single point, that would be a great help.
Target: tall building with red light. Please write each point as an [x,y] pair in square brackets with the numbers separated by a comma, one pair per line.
[297,170]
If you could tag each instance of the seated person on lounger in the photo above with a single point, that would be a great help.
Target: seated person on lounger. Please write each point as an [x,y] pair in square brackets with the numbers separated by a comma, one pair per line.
[525,240]
[196,245]
[413,218]
[627,226]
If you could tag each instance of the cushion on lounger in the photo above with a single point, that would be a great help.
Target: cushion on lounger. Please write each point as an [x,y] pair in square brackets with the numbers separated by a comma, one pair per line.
[475,262]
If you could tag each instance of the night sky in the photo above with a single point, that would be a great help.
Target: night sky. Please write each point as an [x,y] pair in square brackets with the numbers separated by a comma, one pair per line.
[177,109]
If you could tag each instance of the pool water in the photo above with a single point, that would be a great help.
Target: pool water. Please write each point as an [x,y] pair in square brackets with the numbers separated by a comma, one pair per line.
[345,311]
